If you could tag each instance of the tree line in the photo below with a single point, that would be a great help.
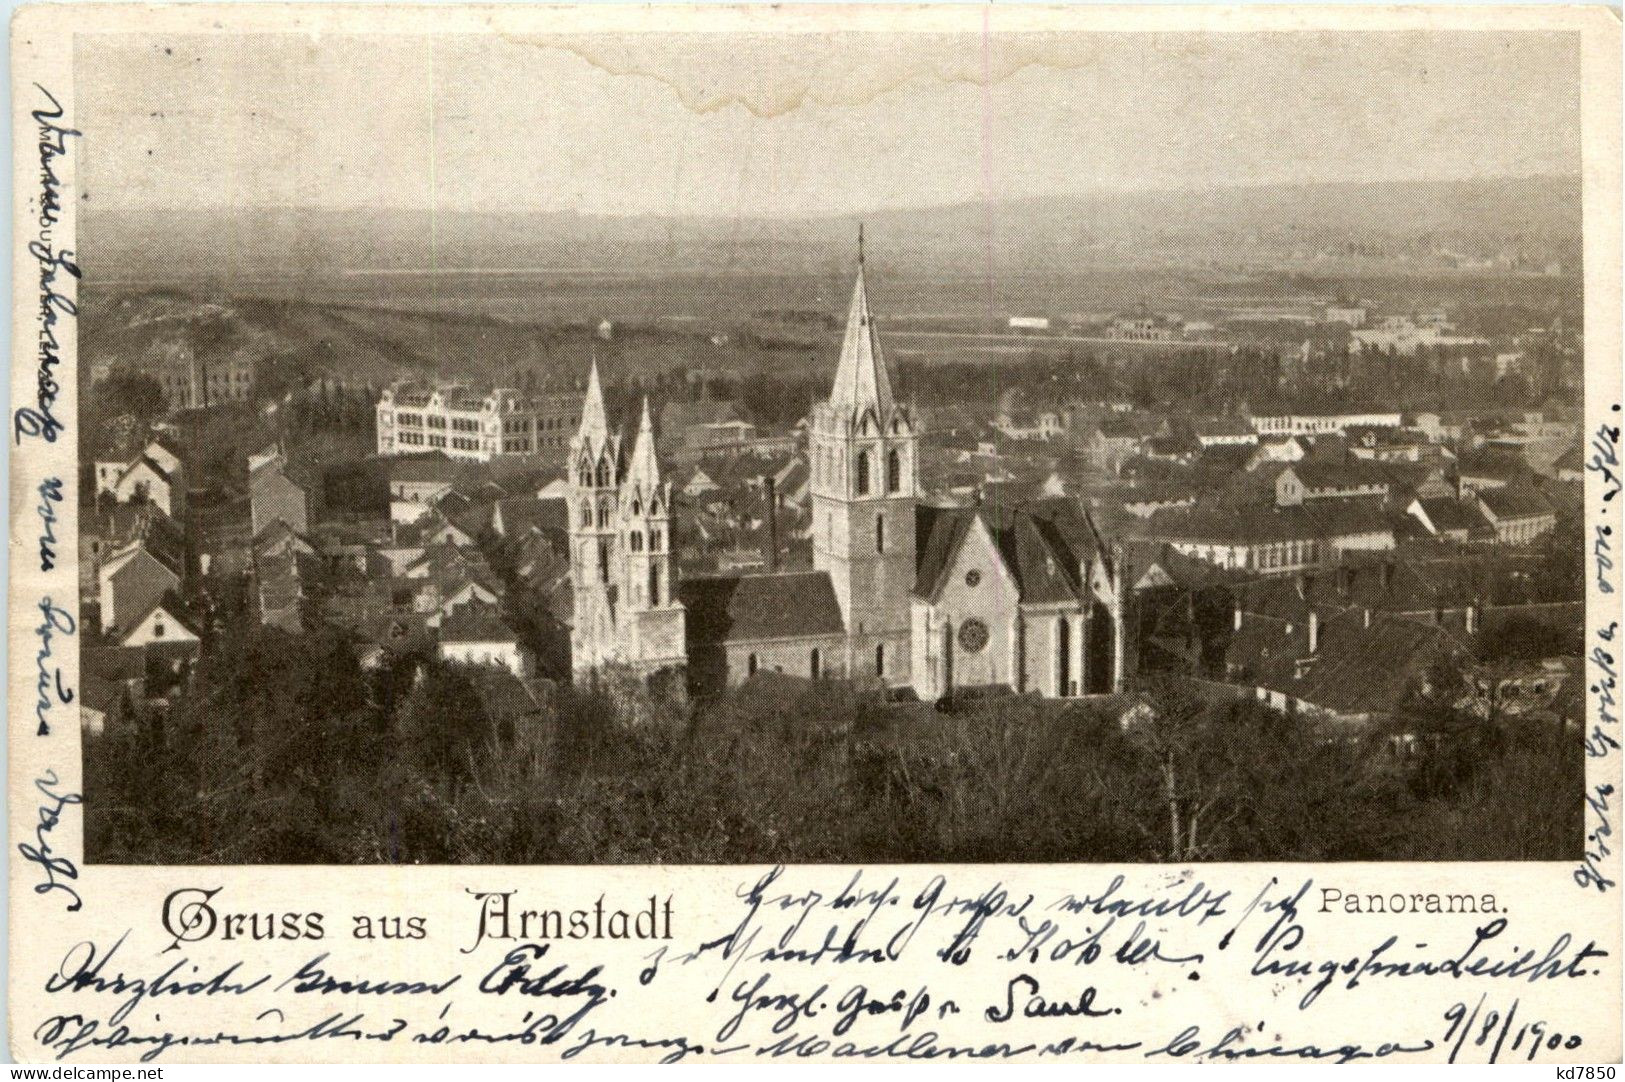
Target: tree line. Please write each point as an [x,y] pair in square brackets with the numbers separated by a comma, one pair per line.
[405,765]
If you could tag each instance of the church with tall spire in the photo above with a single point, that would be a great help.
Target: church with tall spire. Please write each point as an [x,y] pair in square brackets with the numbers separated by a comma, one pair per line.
[862,459]
[902,594]
[622,570]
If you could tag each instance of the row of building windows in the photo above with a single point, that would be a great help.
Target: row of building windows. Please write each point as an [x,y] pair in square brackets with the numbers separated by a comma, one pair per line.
[815,663]
[1334,491]
[635,540]
[468,443]
[1287,554]
[1518,532]
[513,425]
[636,536]
[827,465]
[587,477]
[213,379]
[1301,425]
[654,578]
[1280,554]
[523,445]
[526,425]
[517,425]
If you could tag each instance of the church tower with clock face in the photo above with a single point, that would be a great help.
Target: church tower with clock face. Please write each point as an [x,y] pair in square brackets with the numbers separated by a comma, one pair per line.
[863,450]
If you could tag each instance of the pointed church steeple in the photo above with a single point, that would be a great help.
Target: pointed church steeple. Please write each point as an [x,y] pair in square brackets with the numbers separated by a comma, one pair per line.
[594,422]
[861,379]
[643,471]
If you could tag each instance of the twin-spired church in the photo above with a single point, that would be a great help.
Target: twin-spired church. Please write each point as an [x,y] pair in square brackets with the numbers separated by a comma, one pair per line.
[903,594]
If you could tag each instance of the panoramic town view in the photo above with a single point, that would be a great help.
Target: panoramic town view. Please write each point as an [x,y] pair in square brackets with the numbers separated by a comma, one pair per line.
[1232,519]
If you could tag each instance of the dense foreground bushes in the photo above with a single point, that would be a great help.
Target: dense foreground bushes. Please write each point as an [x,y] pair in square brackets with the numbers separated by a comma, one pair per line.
[284,752]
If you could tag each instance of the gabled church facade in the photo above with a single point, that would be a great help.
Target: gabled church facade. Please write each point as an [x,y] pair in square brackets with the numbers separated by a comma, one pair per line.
[902,595]
[1024,598]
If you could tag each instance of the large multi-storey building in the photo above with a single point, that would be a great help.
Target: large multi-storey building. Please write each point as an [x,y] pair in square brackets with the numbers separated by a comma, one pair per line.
[1318,424]
[473,425]
[188,381]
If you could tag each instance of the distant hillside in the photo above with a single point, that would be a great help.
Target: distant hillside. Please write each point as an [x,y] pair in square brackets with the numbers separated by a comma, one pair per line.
[287,343]
[1528,222]
[291,342]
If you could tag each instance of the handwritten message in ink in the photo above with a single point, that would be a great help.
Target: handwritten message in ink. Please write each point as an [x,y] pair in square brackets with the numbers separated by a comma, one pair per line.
[57,870]
[866,966]
[56,266]
[1602,736]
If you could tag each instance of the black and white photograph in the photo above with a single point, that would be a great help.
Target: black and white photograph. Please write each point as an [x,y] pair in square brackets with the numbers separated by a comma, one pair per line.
[766,448]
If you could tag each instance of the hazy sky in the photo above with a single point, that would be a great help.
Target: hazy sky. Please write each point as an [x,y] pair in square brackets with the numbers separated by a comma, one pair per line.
[803,125]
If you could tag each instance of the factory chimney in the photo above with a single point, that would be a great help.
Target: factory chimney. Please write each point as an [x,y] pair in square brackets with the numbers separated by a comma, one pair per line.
[772,525]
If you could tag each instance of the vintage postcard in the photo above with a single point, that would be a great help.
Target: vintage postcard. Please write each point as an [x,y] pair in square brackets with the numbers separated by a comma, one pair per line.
[770,533]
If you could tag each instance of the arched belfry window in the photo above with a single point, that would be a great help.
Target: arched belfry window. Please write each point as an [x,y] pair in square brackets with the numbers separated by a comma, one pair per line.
[603,473]
[584,475]
[863,473]
[894,471]
[586,514]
